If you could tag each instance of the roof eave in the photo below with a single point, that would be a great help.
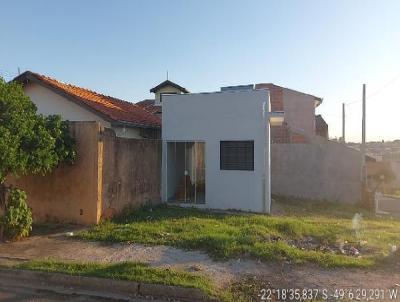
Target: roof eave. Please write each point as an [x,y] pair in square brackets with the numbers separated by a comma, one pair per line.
[318,101]
[27,76]
[30,76]
[169,83]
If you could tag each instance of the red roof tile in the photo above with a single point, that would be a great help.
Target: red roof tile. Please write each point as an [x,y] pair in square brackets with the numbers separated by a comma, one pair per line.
[110,108]
[149,106]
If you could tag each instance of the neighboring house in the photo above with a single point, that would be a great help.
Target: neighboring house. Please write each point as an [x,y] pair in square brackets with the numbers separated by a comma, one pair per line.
[79,104]
[301,124]
[167,87]
[216,149]
[321,127]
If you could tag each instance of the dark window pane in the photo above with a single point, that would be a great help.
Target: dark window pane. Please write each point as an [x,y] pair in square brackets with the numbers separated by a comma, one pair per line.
[237,155]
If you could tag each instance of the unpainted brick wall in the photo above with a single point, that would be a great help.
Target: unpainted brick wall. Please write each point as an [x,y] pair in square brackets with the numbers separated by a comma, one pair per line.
[280,134]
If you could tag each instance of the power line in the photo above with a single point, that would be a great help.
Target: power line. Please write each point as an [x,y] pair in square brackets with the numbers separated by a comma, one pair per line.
[388,83]
[371,95]
[353,102]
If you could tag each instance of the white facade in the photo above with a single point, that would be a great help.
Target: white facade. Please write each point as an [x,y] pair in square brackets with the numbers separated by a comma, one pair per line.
[223,116]
[49,102]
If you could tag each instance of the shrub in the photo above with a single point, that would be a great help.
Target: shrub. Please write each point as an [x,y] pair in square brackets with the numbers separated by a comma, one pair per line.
[17,219]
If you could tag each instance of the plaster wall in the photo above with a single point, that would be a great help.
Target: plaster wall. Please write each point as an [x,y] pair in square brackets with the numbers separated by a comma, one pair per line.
[215,117]
[70,193]
[321,170]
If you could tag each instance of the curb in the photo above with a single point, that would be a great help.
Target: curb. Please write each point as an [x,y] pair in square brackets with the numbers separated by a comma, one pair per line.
[102,287]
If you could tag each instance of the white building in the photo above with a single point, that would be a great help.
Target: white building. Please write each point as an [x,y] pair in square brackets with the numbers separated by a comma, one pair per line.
[216,150]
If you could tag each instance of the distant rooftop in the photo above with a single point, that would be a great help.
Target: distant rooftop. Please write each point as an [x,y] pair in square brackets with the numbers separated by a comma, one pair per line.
[168,83]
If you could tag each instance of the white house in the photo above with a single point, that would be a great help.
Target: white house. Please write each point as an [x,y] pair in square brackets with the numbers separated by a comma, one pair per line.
[80,104]
[216,149]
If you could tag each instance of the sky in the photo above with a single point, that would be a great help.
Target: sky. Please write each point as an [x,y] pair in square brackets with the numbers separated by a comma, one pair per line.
[124,48]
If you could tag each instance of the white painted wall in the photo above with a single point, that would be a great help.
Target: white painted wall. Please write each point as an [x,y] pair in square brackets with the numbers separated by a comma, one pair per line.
[212,117]
[49,102]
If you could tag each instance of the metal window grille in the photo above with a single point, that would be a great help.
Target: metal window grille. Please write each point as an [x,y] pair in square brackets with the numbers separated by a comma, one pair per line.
[237,155]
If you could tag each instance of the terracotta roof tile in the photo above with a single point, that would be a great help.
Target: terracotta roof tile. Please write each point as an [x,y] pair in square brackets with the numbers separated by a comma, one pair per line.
[109,107]
[149,106]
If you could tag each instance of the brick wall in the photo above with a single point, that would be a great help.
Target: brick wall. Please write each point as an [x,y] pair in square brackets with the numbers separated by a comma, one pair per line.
[321,127]
[276,95]
[280,134]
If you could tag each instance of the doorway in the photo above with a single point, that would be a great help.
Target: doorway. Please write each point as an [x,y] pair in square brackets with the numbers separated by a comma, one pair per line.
[186,174]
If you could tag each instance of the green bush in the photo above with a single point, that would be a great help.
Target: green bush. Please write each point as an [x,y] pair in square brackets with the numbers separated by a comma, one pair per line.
[17,219]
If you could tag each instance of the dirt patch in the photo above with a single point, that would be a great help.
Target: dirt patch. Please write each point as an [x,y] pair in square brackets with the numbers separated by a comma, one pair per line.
[353,249]
[324,283]
[61,246]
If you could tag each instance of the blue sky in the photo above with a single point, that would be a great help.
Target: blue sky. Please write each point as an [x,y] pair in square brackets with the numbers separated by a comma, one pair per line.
[123,48]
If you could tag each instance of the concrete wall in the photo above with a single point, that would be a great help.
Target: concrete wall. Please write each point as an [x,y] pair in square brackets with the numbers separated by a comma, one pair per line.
[70,193]
[127,132]
[131,172]
[210,118]
[318,170]
[395,166]
[109,174]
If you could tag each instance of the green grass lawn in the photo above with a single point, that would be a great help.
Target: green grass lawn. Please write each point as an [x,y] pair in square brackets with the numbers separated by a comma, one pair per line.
[131,271]
[303,231]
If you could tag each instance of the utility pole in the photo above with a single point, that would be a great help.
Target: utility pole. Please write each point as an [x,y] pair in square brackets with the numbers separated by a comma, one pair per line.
[343,124]
[362,149]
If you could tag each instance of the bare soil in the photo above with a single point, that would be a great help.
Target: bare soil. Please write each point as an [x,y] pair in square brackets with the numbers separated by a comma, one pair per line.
[59,245]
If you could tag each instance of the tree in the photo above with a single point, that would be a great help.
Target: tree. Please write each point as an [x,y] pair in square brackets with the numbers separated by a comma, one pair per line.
[29,142]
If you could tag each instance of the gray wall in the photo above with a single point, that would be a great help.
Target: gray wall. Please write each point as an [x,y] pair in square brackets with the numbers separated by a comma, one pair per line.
[320,170]
[131,172]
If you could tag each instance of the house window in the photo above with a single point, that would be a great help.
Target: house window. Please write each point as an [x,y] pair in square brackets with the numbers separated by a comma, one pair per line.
[237,155]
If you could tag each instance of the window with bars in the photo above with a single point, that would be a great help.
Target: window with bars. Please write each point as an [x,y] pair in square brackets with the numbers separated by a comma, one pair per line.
[237,155]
